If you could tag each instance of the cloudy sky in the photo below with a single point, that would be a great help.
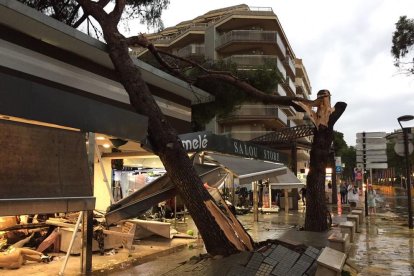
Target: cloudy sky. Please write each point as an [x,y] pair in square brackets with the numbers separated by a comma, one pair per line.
[345,47]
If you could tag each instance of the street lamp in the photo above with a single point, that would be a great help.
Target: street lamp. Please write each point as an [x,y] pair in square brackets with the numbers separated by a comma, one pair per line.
[400,119]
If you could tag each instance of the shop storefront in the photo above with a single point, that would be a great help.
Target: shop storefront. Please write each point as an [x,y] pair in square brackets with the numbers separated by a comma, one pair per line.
[228,164]
[59,92]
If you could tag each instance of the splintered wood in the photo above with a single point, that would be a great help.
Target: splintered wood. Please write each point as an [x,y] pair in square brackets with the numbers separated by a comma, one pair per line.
[323,108]
[233,232]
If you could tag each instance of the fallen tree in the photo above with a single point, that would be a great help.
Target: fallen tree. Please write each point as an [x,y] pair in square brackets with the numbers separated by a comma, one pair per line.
[221,231]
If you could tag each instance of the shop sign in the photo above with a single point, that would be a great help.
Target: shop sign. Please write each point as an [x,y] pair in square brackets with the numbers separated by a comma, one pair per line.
[199,141]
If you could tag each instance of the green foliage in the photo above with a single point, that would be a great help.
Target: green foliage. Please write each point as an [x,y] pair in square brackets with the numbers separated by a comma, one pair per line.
[67,12]
[70,13]
[349,159]
[227,97]
[395,161]
[339,143]
[348,154]
[402,43]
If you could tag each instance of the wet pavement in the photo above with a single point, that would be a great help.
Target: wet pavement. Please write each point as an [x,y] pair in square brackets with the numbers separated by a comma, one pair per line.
[385,245]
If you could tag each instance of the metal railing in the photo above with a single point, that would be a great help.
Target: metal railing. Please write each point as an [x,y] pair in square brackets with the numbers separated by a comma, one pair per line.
[251,36]
[251,60]
[253,11]
[289,83]
[280,90]
[191,50]
[281,68]
[254,111]
[301,84]
[184,30]
[290,63]
[245,135]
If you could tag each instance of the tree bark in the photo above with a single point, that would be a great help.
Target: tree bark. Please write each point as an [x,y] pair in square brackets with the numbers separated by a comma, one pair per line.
[316,209]
[315,219]
[221,235]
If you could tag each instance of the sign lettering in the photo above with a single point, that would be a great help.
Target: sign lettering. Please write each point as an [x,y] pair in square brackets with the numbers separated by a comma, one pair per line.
[200,141]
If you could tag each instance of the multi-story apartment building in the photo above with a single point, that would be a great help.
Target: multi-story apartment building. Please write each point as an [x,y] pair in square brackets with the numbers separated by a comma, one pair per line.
[247,36]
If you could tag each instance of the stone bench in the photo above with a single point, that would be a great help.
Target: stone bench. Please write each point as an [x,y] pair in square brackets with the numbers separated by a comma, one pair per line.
[346,207]
[330,262]
[339,241]
[355,219]
[348,227]
[360,213]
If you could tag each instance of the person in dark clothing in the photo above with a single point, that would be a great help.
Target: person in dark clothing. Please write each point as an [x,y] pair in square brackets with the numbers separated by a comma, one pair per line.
[303,192]
[343,191]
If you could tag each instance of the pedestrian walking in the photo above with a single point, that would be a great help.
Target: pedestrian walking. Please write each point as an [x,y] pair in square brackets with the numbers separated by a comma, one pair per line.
[303,192]
[372,204]
[343,192]
[353,196]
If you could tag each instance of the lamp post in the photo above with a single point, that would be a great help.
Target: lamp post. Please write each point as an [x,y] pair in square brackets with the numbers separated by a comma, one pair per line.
[407,166]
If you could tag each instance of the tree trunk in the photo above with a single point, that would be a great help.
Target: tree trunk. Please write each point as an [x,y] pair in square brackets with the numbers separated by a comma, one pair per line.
[166,145]
[315,193]
[316,210]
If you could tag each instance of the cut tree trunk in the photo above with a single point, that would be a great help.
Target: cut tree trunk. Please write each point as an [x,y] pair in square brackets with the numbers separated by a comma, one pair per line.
[316,209]
[315,193]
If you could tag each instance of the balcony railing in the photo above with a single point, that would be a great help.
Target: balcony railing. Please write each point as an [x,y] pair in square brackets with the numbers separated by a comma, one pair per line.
[301,85]
[258,111]
[136,52]
[251,60]
[192,50]
[290,64]
[245,135]
[256,60]
[281,68]
[184,30]
[280,90]
[251,36]
[252,11]
[289,83]
[291,123]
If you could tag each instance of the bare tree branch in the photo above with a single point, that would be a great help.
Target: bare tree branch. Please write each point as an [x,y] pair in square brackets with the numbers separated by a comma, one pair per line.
[80,20]
[339,109]
[255,93]
[73,14]
[94,9]
[225,76]
[116,13]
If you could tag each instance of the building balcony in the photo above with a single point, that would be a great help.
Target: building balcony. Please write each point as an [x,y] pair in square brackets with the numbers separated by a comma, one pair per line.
[195,28]
[288,110]
[290,66]
[280,90]
[192,50]
[137,52]
[251,60]
[247,61]
[290,87]
[281,68]
[274,115]
[301,88]
[297,118]
[245,135]
[291,123]
[237,40]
